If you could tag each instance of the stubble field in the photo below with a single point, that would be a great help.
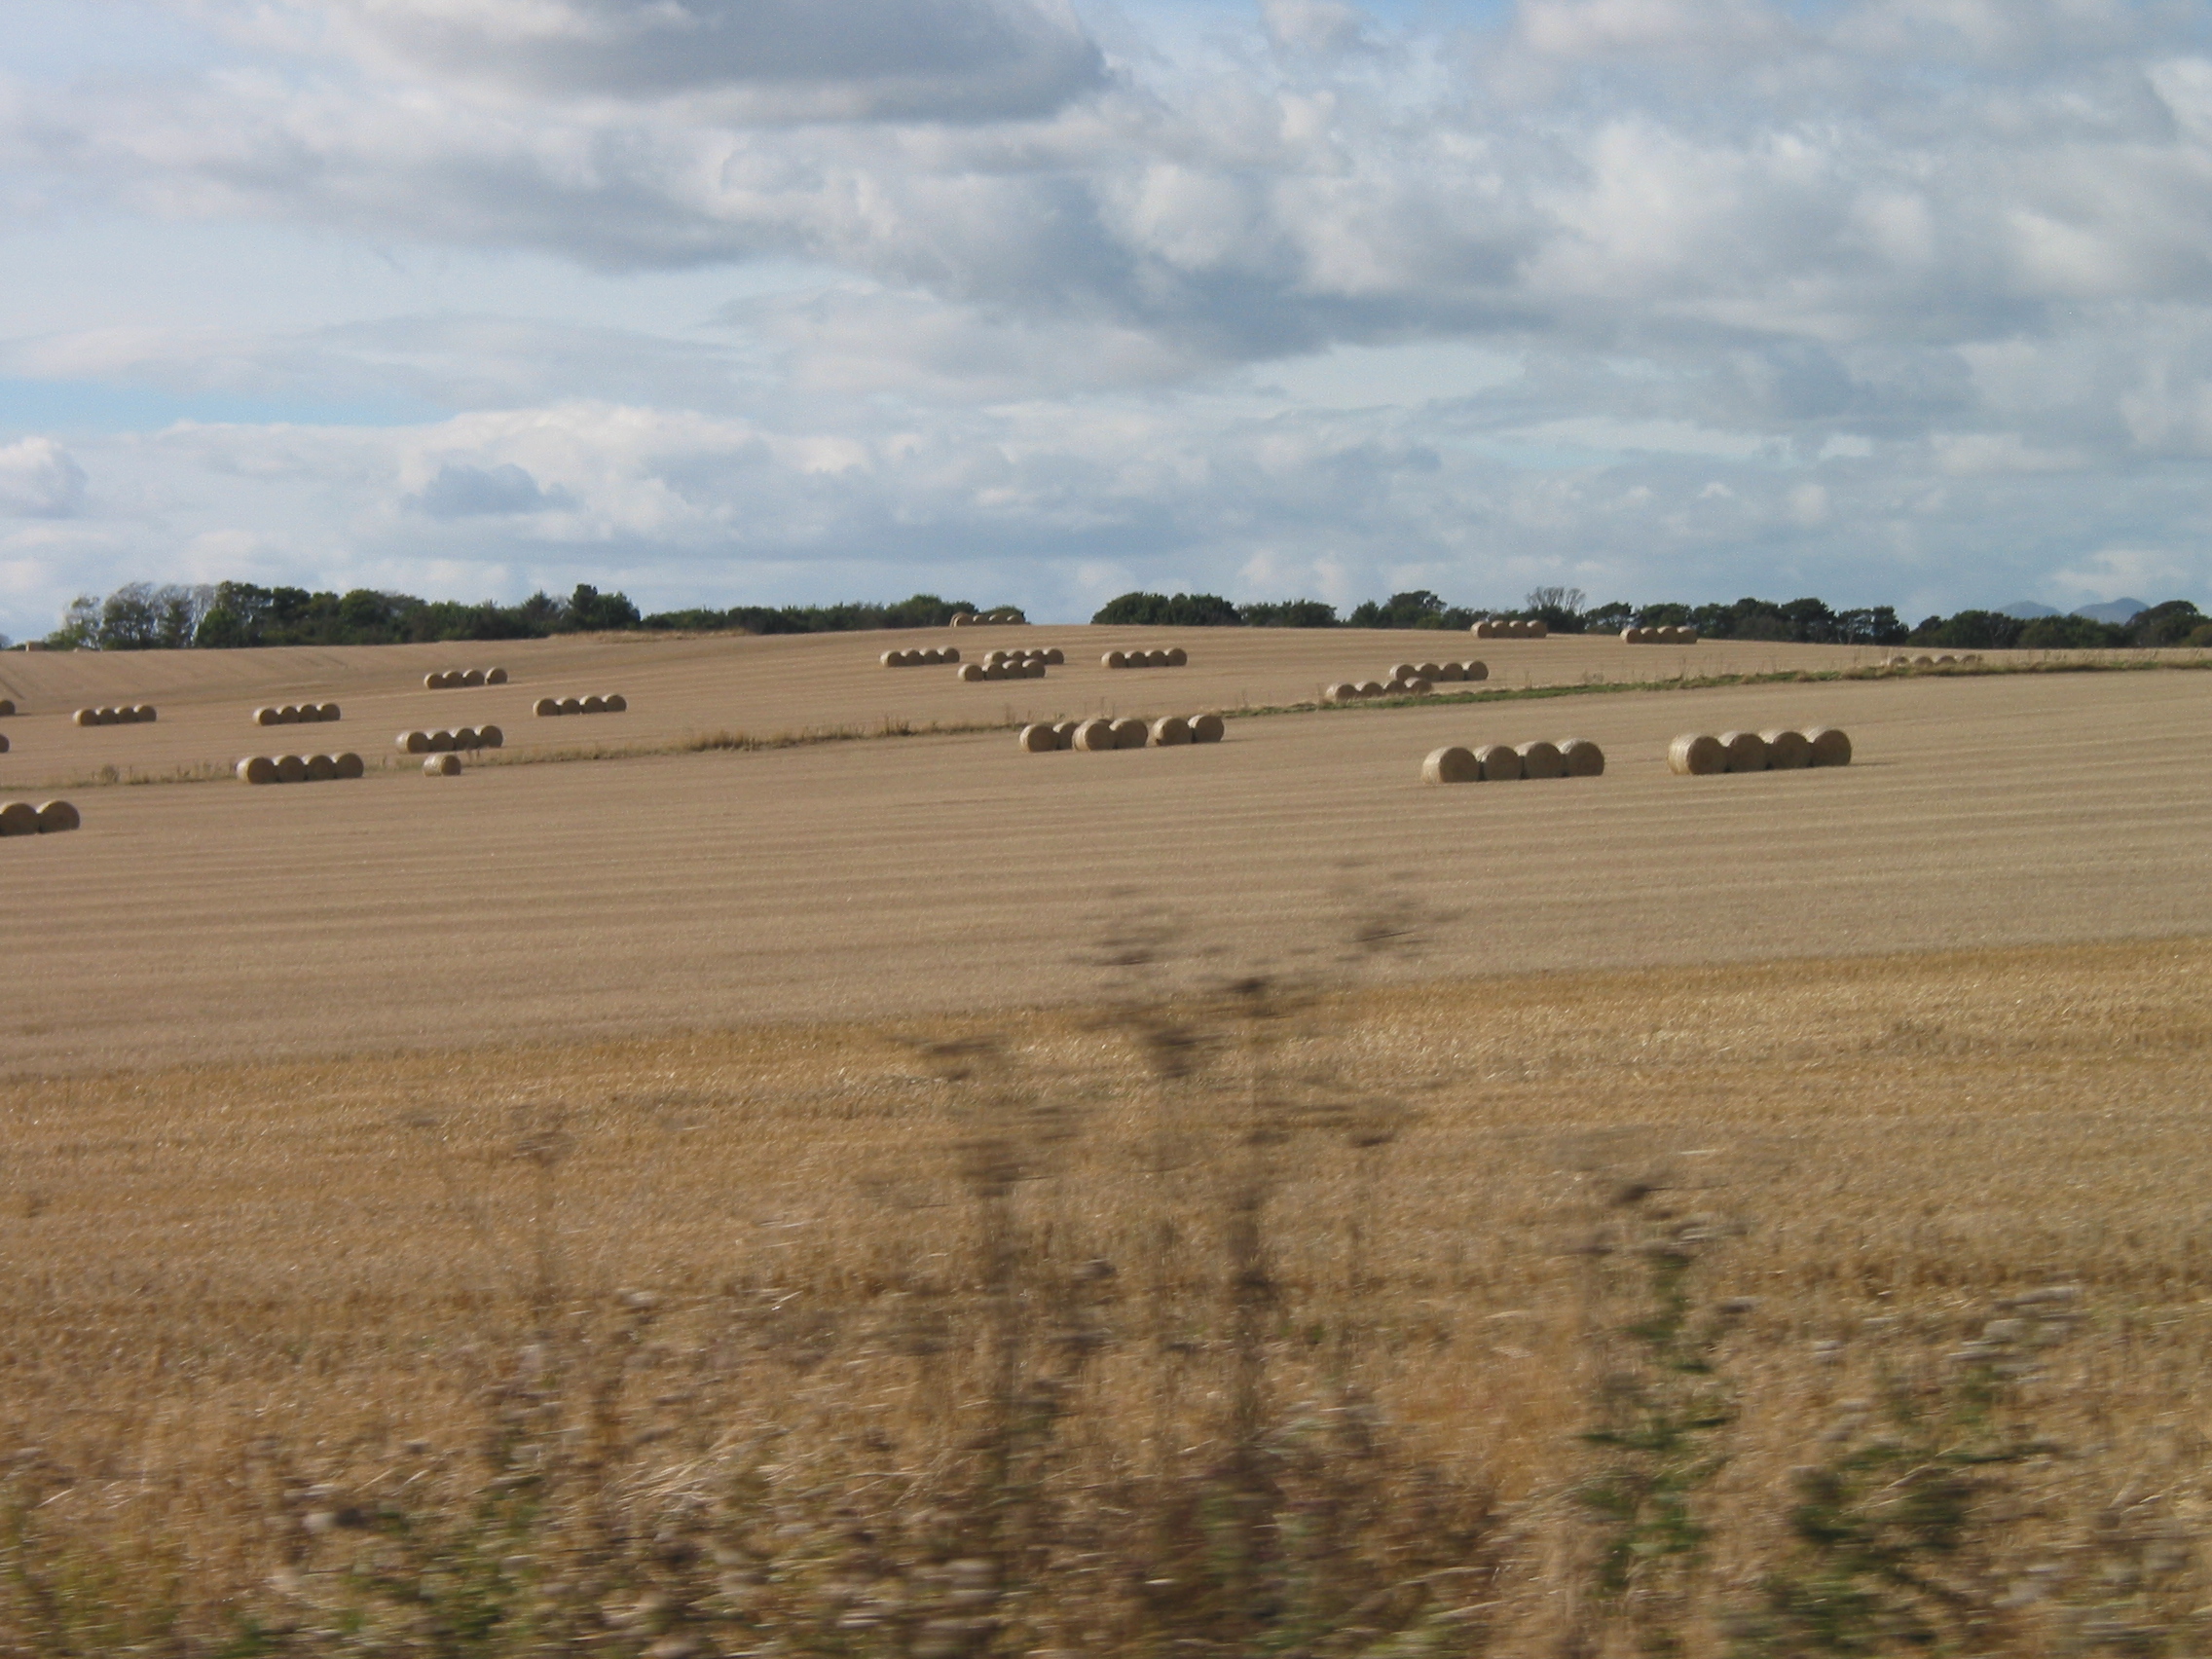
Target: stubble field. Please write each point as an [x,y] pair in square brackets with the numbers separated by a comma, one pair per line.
[903,1196]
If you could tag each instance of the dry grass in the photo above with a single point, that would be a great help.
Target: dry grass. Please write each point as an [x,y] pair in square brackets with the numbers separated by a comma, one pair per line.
[1236,1317]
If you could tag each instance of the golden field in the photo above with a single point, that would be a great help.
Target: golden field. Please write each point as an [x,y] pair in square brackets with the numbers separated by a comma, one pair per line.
[905,1196]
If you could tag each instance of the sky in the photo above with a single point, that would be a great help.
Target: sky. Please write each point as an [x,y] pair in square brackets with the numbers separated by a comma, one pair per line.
[1033,302]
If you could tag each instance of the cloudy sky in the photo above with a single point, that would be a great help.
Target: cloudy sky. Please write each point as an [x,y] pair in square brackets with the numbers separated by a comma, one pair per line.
[770,301]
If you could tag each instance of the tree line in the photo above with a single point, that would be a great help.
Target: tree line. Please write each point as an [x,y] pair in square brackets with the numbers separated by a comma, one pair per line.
[148,616]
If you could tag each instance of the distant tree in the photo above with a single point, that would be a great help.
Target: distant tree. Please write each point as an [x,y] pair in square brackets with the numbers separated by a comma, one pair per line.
[1159,611]
[2168,624]
[1288,614]
[1608,617]
[80,629]
[2068,634]
[1417,609]
[1971,630]
[1558,609]
[589,611]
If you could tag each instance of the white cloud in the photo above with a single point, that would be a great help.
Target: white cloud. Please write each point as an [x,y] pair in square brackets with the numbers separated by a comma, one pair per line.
[40,479]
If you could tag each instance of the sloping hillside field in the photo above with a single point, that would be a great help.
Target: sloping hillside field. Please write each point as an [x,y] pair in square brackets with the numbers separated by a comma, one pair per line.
[773,1172]
[926,873]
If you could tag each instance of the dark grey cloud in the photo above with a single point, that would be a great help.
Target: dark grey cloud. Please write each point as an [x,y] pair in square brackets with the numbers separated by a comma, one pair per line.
[460,491]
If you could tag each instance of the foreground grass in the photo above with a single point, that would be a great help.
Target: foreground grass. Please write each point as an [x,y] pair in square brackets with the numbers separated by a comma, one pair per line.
[1826,1306]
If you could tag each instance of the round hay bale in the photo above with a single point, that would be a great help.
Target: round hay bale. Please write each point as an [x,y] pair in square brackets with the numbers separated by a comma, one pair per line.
[350,765]
[1946,660]
[464,739]
[268,716]
[545,708]
[1787,751]
[86,717]
[1115,659]
[494,676]
[7,706]
[1057,657]
[321,768]
[491,737]
[572,705]
[1685,635]
[291,769]
[1170,732]
[1965,657]
[1370,689]
[145,714]
[994,671]
[618,704]
[288,713]
[472,677]
[1178,657]
[1404,671]
[413,742]
[1344,692]
[1484,630]
[1475,670]
[434,680]
[1449,671]
[1632,636]
[1131,734]
[1039,740]
[441,742]
[893,659]
[1582,758]
[948,654]
[1429,671]
[1746,750]
[1924,661]
[18,818]
[1541,759]
[1207,728]
[3,742]
[1419,686]
[1065,731]
[257,769]
[1539,629]
[594,704]
[1831,746]
[993,658]
[1393,689]
[971,673]
[1451,765]
[328,711]
[1695,754]
[1500,764]
[442,767]
[1094,737]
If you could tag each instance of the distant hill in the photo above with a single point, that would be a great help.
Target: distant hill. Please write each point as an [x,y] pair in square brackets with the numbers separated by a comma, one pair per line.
[2026,610]
[2116,611]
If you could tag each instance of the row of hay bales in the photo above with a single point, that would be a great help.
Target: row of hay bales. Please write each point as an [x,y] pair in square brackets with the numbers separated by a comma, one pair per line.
[1175,657]
[1942,660]
[1666,636]
[299,768]
[1407,680]
[1051,656]
[122,713]
[1508,764]
[970,619]
[975,673]
[20,818]
[1696,755]
[613,703]
[924,656]
[446,742]
[1502,630]
[1094,736]
[295,714]
[453,679]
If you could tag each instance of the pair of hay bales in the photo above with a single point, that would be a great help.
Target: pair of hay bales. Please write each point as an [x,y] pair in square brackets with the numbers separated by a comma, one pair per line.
[926,656]
[122,713]
[1695,754]
[1500,629]
[20,818]
[1092,737]
[1508,764]
[453,679]
[299,768]
[1665,636]
[970,619]
[613,703]
[975,673]
[295,714]
[1945,660]
[1175,657]
[446,742]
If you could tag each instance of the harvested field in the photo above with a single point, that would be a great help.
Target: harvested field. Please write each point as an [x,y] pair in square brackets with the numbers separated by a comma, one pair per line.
[733,886]
[732,1285]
